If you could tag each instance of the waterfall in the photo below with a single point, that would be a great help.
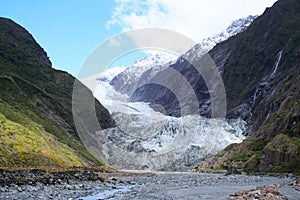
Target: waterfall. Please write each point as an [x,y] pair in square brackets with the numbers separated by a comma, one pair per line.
[277,62]
[265,81]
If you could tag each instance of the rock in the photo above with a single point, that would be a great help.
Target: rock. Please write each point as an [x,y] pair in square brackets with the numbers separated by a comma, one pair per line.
[69,187]
[51,181]
[3,189]
[101,178]
[280,150]
[114,179]
[59,181]
[261,192]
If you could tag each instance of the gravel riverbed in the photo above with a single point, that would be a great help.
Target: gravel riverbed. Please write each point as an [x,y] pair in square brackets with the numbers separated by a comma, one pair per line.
[152,185]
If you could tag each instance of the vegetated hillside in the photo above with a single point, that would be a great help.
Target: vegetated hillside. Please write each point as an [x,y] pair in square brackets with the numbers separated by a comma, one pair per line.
[261,73]
[36,122]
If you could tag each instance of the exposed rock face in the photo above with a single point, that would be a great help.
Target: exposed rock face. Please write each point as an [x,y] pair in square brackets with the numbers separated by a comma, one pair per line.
[261,72]
[275,147]
[163,96]
[280,149]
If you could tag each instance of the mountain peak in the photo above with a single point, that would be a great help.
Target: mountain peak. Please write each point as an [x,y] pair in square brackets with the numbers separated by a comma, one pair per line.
[15,39]
[236,27]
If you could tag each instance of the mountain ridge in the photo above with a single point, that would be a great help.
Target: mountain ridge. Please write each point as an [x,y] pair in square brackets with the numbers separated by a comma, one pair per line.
[131,83]
[37,99]
[270,100]
[162,97]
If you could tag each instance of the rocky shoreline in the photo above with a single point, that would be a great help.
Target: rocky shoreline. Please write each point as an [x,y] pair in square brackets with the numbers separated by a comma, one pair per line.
[32,177]
[89,185]
[40,184]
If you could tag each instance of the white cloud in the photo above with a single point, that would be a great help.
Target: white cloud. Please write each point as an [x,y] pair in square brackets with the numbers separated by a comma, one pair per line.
[196,19]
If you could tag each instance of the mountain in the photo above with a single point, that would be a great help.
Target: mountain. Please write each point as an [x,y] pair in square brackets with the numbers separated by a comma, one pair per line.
[144,139]
[36,122]
[163,97]
[141,71]
[236,27]
[261,72]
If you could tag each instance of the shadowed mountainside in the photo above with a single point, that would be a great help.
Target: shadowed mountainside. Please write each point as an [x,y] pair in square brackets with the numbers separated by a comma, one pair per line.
[262,78]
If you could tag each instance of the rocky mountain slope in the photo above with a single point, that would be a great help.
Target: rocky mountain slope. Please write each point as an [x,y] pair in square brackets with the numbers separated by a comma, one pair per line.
[236,27]
[36,123]
[141,71]
[261,72]
[163,99]
[134,81]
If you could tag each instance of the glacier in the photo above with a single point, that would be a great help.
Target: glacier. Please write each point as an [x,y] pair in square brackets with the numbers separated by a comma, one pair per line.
[146,139]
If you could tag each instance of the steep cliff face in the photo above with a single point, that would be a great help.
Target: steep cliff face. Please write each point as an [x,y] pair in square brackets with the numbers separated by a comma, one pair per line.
[36,106]
[262,80]
[275,146]
[261,58]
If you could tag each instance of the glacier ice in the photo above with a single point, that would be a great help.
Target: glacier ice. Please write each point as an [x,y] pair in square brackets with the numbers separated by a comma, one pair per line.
[146,139]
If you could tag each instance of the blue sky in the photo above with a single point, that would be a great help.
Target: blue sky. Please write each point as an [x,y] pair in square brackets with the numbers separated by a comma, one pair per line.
[70,30]
[67,30]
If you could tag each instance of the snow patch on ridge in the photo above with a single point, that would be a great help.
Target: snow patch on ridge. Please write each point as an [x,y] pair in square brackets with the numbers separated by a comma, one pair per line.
[236,27]
[110,73]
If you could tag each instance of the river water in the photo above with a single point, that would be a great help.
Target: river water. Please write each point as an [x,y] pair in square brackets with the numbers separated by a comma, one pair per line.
[186,185]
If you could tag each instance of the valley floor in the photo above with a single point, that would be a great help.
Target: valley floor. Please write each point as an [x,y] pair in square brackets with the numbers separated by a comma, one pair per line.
[144,185]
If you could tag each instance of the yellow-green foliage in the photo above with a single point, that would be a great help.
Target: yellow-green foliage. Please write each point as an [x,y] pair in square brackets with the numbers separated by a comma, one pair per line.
[37,97]
[22,146]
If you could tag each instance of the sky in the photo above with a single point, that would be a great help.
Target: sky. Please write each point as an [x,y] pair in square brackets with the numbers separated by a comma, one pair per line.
[70,30]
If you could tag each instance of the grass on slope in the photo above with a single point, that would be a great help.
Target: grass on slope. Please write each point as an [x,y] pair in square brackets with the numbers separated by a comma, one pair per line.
[22,146]
[33,92]
[27,105]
